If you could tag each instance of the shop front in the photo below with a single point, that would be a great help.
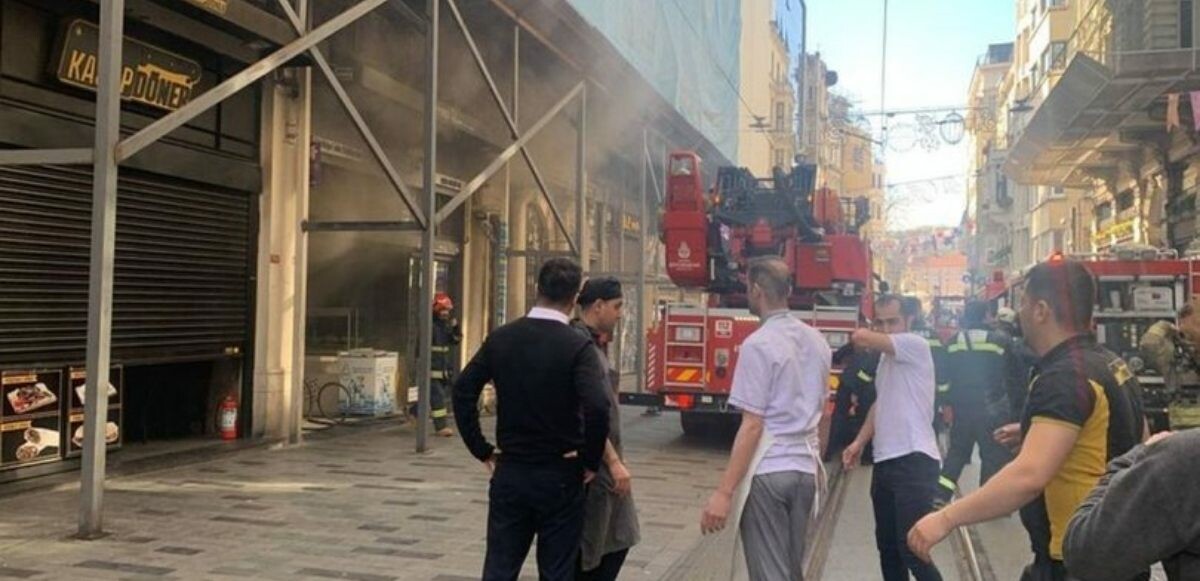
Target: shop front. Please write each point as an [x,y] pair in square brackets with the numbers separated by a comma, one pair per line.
[186,234]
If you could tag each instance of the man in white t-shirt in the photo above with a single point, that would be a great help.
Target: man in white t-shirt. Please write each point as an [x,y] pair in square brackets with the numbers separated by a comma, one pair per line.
[900,425]
[780,384]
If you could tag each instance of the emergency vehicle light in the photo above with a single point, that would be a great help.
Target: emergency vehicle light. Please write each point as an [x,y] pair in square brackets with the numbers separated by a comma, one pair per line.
[681,401]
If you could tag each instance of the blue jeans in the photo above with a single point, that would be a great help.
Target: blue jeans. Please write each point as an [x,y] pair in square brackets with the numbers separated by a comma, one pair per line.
[534,499]
[902,491]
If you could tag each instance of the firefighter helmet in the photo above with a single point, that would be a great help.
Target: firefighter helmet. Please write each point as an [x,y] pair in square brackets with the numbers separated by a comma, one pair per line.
[442,303]
[1006,315]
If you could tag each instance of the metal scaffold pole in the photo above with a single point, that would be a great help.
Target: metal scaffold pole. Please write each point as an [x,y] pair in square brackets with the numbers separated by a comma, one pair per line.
[581,249]
[639,368]
[100,283]
[428,269]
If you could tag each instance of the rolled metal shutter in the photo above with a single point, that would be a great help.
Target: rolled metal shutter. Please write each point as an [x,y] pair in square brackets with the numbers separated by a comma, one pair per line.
[182,278]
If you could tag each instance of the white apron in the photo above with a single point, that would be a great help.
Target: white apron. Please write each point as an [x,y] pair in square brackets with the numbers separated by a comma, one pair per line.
[720,556]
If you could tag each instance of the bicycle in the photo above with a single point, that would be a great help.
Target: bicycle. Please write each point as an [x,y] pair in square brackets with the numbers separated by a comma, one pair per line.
[314,402]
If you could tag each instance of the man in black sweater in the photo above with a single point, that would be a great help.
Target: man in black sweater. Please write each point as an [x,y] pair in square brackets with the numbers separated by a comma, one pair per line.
[551,428]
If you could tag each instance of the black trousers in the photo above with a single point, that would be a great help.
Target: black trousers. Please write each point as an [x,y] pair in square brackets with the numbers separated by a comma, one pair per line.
[527,500]
[610,567]
[902,491]
[439,399]
[1044,568]
[973,427]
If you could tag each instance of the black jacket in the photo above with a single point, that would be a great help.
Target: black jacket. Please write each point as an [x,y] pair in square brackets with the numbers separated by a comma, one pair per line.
[445,339]
[551,393]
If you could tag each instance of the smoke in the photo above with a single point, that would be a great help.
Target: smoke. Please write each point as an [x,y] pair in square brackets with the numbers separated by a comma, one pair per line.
[382,62]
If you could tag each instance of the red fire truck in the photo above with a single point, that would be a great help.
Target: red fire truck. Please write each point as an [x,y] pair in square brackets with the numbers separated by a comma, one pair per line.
[1138,286]
[710,236]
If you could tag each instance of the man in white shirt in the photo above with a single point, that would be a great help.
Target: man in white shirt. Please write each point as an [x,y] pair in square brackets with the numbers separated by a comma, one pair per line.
[780,384]
[900,424]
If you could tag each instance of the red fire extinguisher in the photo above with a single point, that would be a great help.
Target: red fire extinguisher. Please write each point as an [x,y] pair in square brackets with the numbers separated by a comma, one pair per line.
[228,418]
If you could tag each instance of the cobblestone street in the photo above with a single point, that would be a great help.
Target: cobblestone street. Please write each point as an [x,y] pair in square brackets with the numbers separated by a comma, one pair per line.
[359,506]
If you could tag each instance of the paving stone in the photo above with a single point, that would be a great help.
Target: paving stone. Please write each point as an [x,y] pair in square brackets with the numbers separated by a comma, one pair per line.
[125,568]
[12,573]
[332,574]
[248,521]
[179,550]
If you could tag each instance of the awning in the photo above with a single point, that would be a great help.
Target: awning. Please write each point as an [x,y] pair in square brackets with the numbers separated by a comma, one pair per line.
[1078,125]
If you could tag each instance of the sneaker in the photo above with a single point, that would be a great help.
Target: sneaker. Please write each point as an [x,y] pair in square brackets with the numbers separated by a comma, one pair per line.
[445,432]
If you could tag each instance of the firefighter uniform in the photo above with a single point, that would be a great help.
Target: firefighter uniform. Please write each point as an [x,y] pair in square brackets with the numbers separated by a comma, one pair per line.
[977,367]
[938,351]
[855,395]
[442,368]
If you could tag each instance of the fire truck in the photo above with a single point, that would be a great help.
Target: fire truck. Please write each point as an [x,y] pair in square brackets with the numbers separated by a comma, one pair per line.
[1138,286]
[709,237]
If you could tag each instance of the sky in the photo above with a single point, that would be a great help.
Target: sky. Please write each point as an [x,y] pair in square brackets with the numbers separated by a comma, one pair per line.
[932,49]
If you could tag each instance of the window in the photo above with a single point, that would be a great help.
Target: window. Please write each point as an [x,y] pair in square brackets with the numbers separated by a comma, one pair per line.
[779,162]
[1185,23]
[859,157]
[1057,192]
[1125,200]
[1104,211]
[780,118]
[1057,240]
[1057,3]
[1055,56]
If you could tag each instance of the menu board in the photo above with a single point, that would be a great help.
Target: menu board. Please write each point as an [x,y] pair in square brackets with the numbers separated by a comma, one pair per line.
[112,431]
[30,417]
[77,386]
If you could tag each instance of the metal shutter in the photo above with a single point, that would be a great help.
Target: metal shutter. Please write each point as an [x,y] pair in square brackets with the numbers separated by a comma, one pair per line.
[183,267]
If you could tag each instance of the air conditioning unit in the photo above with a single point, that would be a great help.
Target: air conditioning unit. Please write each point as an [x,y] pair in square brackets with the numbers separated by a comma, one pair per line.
[449,185]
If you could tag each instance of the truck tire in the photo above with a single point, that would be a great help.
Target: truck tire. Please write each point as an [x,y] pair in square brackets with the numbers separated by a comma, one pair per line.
[693,423]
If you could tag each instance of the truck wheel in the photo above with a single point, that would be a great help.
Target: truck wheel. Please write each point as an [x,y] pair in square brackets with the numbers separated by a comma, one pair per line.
[692,423]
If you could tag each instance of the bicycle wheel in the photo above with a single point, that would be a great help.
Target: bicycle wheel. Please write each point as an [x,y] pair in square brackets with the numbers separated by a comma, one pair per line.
[343,395]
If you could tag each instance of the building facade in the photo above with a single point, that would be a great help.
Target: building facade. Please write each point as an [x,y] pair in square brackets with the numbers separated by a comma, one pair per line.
[266,236]
[1117,124]
[767,138]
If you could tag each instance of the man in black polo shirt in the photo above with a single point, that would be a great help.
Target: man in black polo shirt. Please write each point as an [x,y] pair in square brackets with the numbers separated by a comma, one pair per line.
[552,425]
[1083,409]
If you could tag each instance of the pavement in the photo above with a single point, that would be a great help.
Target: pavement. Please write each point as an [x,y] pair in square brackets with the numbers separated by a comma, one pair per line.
[852,552]
[359,505]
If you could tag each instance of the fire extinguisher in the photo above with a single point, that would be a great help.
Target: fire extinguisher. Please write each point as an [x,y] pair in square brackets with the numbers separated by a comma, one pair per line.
[227,414]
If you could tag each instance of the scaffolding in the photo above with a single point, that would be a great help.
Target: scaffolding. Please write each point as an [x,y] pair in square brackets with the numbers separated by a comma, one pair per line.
[109,150]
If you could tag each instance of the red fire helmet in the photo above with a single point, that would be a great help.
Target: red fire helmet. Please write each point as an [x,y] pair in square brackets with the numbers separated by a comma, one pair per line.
[442,303]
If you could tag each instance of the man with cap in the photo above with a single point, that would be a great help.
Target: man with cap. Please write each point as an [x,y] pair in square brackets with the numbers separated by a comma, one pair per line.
[610,524]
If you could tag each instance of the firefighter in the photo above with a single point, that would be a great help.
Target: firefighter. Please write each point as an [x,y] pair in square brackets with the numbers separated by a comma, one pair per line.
[1007,401]
[442,363]
[938,350]
[855,395]
[975,363]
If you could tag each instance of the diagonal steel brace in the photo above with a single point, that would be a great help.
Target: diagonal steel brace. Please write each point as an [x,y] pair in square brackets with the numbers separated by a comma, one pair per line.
[498,163]
[133,144]
[359,123]
[508,118]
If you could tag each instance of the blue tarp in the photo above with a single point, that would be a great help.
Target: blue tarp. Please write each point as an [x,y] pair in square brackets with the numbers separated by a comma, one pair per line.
[688,50]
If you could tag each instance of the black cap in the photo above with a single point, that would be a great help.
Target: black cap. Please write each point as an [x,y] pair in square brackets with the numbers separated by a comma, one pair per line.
[605,288]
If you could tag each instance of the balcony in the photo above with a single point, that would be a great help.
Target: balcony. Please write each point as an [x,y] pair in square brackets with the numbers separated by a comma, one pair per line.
[1117,74]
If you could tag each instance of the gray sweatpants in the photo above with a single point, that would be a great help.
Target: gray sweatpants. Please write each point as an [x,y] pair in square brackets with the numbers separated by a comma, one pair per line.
[774,523]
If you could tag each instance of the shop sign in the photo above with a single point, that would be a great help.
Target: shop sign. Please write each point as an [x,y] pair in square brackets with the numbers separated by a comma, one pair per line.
[214,6]
[149,75]
[1119,230]
[631,223]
